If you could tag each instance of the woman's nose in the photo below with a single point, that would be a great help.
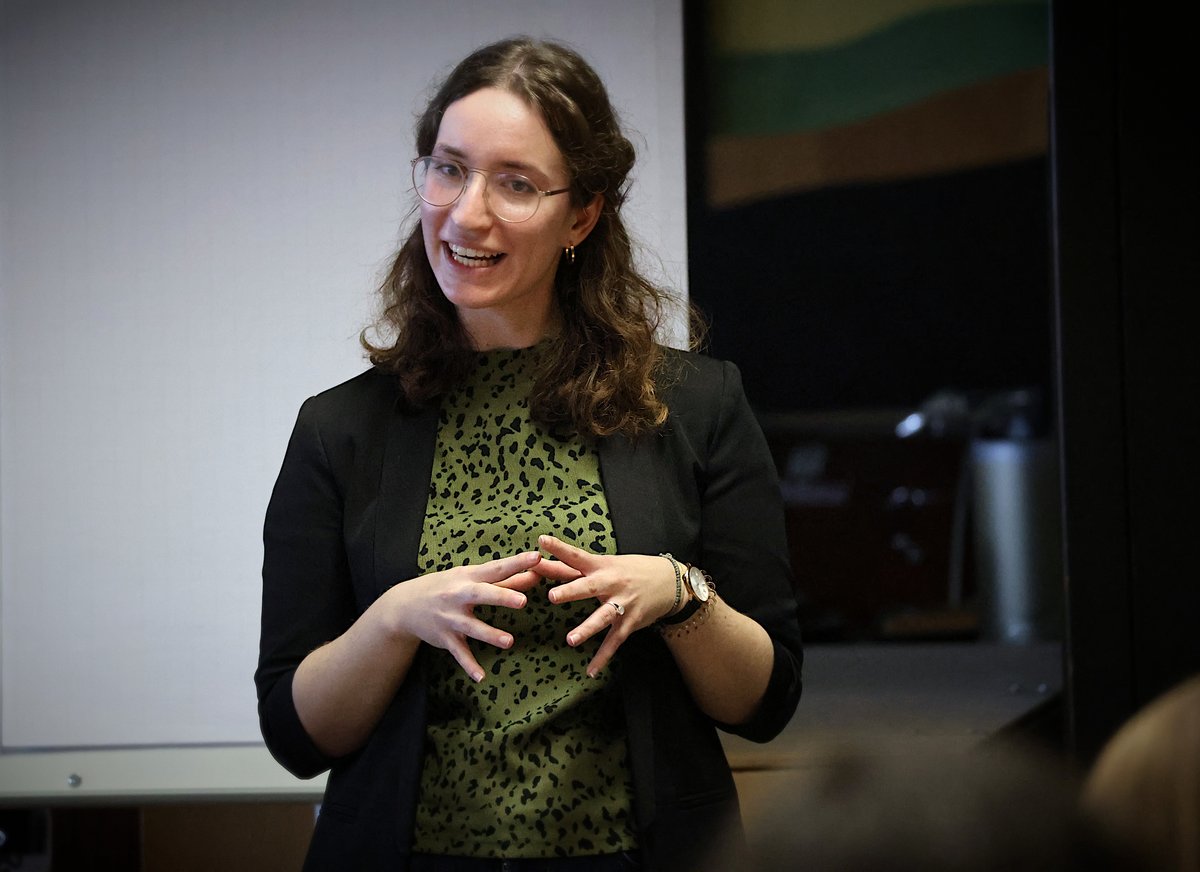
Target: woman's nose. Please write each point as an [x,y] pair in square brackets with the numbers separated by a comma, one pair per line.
[471,208]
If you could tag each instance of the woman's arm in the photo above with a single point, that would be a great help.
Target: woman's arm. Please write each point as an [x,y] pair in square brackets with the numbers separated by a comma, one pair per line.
[726,663]
[742,664]
[342,689]
[328,666]
[743,545]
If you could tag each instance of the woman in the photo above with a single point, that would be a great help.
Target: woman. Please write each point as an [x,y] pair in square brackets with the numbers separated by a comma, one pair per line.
[484,605]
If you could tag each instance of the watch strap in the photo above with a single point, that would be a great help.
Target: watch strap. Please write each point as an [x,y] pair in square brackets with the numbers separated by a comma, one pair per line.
[690,608]
[685,628]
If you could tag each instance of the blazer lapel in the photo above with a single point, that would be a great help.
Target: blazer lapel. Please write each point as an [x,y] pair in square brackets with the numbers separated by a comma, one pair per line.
[632,488]
[403,492]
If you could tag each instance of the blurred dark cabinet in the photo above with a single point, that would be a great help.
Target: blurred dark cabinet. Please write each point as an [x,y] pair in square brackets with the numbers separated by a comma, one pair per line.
[876,526]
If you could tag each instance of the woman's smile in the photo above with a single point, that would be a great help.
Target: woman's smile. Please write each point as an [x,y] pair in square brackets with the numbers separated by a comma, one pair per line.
[473,257]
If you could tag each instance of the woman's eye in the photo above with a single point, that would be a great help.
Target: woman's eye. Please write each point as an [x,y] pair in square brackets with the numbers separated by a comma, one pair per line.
[517,185]
[448,169]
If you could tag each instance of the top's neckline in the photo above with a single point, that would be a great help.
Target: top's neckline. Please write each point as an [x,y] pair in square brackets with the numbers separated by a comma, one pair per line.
[502,351]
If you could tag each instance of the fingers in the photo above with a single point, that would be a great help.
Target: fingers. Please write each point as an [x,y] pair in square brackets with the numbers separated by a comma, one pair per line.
[618,632]
[574,591]
[495,571]
[504,582]
[576,558]
[556,570]
[604,655]
[477,629]
[506,596]
[442,614]
[523,581]
[603,617]
[461,652]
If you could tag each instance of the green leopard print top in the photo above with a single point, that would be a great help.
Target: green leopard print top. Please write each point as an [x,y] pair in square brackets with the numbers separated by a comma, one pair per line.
[530,762]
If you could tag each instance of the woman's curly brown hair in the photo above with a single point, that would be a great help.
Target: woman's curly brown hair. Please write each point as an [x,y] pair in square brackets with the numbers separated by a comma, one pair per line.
[598,378]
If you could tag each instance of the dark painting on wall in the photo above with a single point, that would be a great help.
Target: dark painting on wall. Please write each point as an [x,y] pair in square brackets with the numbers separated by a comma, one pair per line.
[867,206]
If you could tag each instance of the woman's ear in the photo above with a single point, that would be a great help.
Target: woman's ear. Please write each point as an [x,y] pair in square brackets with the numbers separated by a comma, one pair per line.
[585,219]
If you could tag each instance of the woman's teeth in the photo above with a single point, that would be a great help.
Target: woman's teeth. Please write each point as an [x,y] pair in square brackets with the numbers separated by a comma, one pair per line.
[472,257]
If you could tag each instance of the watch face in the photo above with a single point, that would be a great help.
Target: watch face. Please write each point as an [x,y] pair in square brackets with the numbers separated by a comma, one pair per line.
[698,583]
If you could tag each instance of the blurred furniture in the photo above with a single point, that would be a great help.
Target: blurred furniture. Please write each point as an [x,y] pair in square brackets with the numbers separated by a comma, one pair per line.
[876,526]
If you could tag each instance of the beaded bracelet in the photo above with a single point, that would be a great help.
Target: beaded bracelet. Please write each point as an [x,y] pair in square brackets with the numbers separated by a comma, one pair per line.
[677,630]
[678,583]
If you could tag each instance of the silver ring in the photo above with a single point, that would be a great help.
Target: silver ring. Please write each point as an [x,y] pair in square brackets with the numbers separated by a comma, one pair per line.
[620,608]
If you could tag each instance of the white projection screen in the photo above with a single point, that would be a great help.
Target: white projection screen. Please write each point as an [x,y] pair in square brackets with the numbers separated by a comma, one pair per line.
[197,200]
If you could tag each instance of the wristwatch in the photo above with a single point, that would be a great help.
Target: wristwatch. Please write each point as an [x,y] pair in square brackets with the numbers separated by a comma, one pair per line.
[698,583]
[701,588]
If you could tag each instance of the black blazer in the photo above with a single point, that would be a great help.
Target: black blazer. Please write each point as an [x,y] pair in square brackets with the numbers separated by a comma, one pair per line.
[344,524]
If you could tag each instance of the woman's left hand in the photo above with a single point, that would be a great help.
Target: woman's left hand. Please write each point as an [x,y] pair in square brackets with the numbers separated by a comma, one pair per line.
[634,590]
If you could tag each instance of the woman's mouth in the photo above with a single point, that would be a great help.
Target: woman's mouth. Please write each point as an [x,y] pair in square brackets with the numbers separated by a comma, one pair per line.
[472,257]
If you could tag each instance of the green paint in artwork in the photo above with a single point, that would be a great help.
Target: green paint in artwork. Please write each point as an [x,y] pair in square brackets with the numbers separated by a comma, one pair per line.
[910,61]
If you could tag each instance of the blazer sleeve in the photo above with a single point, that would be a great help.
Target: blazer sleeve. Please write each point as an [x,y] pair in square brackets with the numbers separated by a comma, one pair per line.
[744,547]
[307,596]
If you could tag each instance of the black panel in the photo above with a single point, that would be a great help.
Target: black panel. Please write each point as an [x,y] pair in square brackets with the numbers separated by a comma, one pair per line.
[879,295]
[1127,219]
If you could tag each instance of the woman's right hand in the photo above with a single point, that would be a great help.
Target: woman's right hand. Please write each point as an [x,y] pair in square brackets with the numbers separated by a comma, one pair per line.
[439,608]
[342,689]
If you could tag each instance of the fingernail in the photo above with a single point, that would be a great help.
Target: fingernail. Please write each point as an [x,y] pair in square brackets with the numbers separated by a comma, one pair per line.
[524,600]
[506,641]
[592,673]
[551,596]
[478,676]
[573,639]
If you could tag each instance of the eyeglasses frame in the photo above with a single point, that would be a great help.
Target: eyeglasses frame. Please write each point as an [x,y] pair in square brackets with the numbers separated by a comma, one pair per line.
[485,173]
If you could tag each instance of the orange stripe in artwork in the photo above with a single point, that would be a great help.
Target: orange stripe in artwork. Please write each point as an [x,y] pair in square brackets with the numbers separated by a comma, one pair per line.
[988,123]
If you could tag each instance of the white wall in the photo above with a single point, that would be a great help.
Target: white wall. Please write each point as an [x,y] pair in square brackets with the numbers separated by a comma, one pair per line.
[196,201]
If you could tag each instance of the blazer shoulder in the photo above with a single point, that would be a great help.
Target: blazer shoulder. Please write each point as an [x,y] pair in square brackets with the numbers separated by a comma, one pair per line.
[371,390]
[690,380]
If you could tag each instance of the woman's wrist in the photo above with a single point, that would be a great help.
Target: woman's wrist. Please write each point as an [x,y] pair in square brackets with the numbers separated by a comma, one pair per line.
[684,624]
[389,614]
[694,591]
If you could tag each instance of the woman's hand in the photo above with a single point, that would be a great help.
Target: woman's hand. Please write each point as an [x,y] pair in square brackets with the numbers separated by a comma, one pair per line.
[439,608]
[342,689]
[642,586]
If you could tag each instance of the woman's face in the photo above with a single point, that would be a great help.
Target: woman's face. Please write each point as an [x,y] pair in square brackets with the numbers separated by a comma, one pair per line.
[500,276]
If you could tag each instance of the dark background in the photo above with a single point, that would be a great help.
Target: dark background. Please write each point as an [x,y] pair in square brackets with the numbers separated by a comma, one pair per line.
[1075,275]
[879,295]
[848,307]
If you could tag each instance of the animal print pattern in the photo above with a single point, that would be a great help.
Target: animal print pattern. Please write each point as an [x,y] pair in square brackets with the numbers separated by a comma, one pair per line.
[530,762]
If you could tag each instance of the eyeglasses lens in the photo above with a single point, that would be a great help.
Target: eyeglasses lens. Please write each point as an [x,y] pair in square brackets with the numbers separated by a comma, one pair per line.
[439,182]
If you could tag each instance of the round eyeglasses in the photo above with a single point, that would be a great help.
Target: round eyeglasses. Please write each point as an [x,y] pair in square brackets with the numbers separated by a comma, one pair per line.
[440,181]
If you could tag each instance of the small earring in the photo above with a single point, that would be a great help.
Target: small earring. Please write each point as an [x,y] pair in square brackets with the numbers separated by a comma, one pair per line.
[569,251]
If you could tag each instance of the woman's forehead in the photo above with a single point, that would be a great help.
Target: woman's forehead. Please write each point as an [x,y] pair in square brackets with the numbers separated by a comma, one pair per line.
[496,129]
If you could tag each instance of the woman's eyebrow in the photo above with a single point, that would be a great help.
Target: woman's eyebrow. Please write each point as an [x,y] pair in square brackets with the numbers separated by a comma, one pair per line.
[510,165]
[449,151]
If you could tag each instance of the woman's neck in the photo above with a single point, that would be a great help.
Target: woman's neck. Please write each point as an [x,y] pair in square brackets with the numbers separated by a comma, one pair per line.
[488,329]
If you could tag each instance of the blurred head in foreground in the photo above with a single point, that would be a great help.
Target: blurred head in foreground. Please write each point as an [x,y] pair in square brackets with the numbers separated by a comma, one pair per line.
[987,811]
[1145,785]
